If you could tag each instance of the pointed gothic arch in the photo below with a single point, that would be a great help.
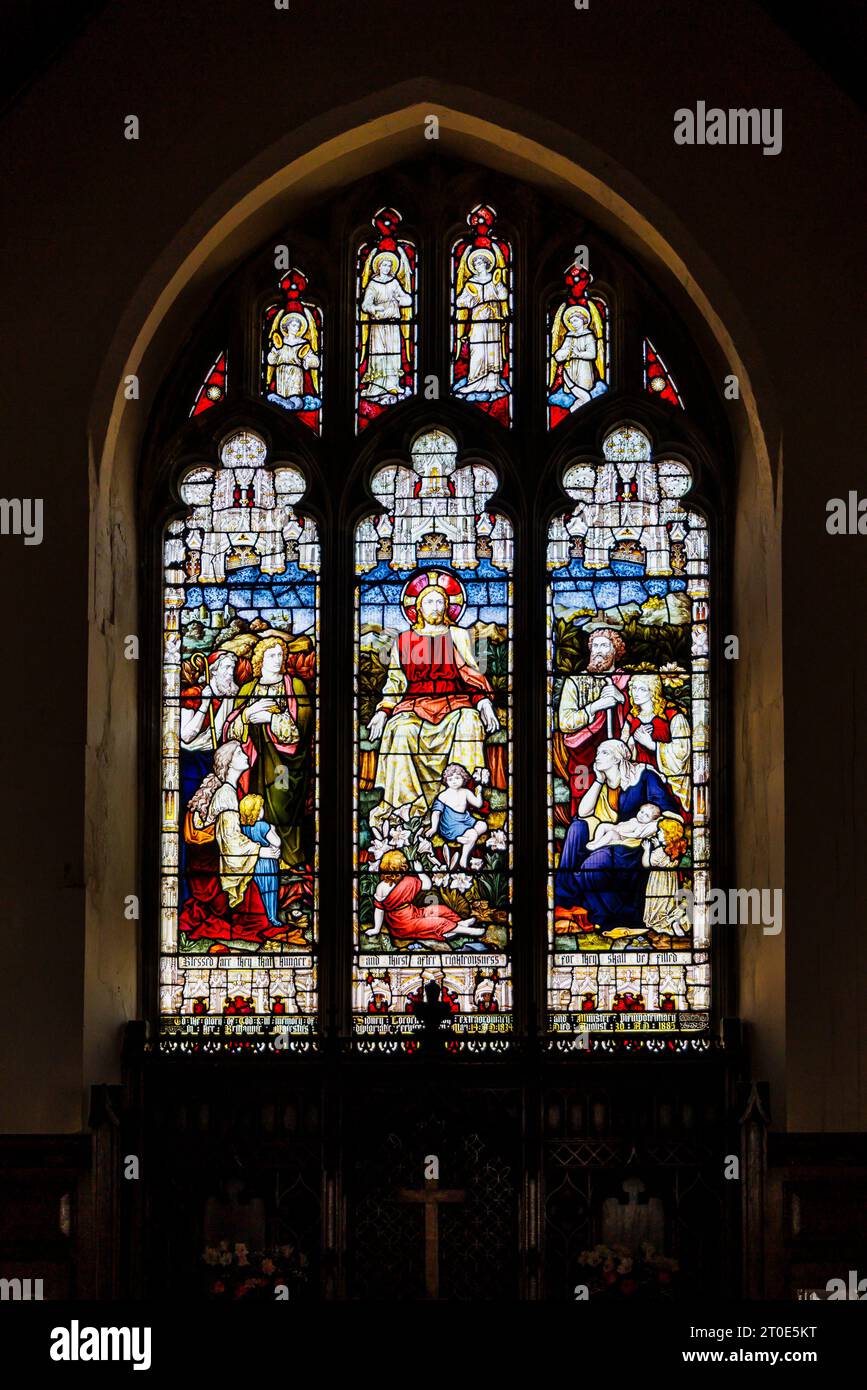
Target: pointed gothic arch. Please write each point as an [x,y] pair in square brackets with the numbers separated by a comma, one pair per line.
[116,445]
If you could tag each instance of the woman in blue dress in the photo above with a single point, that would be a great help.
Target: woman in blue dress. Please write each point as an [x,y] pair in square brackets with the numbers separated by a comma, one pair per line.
[603,890]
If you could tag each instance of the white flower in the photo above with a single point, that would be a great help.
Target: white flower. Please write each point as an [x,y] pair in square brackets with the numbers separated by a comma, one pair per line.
[425,847]
[399,838]
[376,849]
[461,882]
[476,863]
[440,880]
[482,775]
[496,839]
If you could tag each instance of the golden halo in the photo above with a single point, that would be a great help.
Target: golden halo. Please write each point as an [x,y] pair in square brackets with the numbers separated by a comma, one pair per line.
[444,580]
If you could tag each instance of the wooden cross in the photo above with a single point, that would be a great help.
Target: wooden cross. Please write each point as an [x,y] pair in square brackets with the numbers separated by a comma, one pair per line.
[431,1194]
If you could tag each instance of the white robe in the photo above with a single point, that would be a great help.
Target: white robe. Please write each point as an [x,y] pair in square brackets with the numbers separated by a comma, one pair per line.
[291,361]
[382,303]
[238,855]
[578,358]
[485,367]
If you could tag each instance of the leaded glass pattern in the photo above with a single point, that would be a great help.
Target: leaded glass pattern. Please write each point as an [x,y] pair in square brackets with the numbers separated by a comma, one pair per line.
[422,881]
[238,829]
[482,315]
[213,389]
[292,352]
[386,297]
[577,347]
[433,684]
[658,380]
[629,755]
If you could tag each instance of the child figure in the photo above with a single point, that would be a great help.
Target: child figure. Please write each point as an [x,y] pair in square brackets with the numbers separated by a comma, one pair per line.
[265,874]
[641,828]
[450,815]
[394,906]
[666,919]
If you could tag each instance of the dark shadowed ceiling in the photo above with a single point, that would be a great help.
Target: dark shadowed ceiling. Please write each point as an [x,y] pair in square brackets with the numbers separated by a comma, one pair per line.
[34,32]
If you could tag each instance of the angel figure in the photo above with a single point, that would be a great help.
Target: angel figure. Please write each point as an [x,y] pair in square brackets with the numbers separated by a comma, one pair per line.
[294,361]
[386,325]
[576,371]
[482,304]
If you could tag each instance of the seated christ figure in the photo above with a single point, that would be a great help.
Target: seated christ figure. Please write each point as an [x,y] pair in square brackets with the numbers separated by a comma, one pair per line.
[436,705]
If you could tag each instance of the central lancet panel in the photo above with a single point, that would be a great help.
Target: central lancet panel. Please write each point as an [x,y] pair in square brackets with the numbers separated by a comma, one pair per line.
[433,841]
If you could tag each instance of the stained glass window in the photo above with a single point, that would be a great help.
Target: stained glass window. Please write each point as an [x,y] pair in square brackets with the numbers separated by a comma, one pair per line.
[213,388]
[481,299]
[657,378]
[238,833]
[292,352]
[577,347]
[433,837]
[629,714]
[616,896]
[387,329]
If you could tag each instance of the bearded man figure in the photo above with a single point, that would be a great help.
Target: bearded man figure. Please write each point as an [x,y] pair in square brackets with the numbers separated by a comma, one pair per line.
[592,708]
[204,710]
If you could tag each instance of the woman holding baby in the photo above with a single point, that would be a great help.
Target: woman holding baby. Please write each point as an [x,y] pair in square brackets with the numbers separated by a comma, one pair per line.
[601,879]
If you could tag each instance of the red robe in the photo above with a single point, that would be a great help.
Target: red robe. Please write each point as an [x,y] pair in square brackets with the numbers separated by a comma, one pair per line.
[451,999]
[405,922]
[582,745]
[206,914]
[437,684]
[660,729]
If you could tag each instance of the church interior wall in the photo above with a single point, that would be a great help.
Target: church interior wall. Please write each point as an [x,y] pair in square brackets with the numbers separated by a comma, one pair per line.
[104,286]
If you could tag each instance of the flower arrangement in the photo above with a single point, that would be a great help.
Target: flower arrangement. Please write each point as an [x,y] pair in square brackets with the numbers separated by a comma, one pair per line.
[614,1271]
[234,1272]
